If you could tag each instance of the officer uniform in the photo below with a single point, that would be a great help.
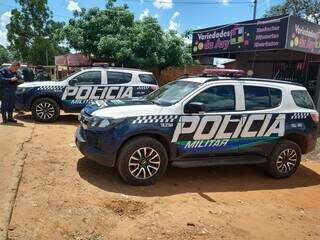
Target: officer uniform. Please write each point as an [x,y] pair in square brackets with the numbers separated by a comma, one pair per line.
[8,93]
[28,75]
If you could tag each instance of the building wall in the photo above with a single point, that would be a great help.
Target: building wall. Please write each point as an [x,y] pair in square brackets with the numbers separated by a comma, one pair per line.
[173,73]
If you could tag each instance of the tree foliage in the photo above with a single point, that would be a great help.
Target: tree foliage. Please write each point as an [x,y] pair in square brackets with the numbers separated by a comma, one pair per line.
[309,9]
[32,32]
[102,33]
[5,55]
[113,34]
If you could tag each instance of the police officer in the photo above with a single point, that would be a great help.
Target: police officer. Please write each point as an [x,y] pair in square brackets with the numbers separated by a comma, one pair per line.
[27,72]
[8,83]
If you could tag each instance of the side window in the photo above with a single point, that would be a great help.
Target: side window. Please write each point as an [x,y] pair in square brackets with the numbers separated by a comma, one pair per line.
[89,78]
[302,99]
[148,79]
[259,98]
[275,97]
[217,99]
[118,77]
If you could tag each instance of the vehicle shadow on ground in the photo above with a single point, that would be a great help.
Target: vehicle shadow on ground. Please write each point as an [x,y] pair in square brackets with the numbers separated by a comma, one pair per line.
[66,119]
[197,180]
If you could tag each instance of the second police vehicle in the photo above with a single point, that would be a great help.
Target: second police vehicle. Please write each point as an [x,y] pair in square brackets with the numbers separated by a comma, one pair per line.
[46,99]
[201,121]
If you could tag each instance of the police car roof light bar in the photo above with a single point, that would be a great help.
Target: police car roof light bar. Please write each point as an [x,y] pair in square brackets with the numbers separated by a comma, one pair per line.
[223,72]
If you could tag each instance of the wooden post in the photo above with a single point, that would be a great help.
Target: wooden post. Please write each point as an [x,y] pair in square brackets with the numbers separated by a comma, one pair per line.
[317,92]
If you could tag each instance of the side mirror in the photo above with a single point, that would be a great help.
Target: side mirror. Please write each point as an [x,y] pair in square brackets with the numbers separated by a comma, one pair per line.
[73,81]
[194,107]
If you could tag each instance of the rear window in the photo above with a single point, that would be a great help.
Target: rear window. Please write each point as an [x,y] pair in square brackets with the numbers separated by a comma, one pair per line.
[302,99]
[148,79]
[118,77]
[259,98]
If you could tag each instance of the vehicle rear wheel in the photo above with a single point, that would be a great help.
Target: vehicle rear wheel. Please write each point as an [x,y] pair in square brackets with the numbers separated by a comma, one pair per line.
[142,161]
[45,110]
[284,160]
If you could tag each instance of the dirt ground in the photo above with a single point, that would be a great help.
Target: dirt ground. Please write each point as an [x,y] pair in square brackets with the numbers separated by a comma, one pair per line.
[64,196]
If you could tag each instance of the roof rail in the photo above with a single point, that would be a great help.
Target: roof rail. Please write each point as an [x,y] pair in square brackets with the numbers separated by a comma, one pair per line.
[270,80]
[121,68]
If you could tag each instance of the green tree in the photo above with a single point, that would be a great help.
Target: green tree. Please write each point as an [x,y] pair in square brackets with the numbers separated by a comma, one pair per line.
[113,35]
[309,9]
[31,24]
[5,55]
[177,53]
[103,33]
[148,43]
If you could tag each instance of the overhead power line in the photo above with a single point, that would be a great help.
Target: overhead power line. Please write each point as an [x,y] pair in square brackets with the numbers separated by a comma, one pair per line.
[193,2]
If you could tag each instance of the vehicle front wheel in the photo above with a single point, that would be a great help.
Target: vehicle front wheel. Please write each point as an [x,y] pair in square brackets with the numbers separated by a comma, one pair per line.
[284,160]
[45,110]
[142,161]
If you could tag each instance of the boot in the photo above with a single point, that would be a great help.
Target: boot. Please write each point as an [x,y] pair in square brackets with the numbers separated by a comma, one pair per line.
[4,118]
[10,118]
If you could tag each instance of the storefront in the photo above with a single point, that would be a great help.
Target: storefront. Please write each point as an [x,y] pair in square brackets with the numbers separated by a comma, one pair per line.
[286,48]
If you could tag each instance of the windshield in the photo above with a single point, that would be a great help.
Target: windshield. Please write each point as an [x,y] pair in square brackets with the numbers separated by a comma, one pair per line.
[70,75]
[172,92]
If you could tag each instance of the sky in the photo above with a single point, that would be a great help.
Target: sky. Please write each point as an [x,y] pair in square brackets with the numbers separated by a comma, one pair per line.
[179,15]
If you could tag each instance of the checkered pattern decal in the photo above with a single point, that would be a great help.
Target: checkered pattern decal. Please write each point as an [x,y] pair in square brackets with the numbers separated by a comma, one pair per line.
[299,115]
[155,119]
[51,88]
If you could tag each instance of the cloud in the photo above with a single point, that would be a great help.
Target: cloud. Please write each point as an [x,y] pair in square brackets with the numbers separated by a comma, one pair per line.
[173,24]
[312,18]
[73,6]
[145,13]
[225,2]
[187,41]
[4,20]
[164,4]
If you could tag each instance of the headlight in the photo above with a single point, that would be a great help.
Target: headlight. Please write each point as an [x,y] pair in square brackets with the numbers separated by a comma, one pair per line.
[21,90]
[99,122]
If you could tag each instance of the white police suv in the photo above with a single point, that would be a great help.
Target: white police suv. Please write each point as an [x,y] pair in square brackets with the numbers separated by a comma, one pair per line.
[201,121]
[46,99]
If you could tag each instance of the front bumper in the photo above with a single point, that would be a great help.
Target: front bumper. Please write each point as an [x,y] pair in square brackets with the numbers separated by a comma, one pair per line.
[20,103]
[88,147]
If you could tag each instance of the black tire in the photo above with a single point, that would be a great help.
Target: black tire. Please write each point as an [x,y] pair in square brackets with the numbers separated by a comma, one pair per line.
[45,110]
[130,151]
[284,160]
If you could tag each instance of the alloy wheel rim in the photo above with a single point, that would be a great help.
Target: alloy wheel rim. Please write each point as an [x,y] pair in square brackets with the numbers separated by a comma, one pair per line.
[144,163]
[45,110]
[287,160]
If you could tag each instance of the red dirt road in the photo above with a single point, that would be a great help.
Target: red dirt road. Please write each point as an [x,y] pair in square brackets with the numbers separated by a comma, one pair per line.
[64,196]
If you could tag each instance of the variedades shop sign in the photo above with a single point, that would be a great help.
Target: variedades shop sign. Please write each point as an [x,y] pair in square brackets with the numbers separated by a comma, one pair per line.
[261,34]
[303,36]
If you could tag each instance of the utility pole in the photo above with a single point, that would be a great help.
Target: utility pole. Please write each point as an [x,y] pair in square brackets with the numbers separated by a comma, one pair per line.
[254,9]
[47,60]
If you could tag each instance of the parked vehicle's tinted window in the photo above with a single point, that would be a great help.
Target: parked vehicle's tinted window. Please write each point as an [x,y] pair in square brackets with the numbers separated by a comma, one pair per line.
[275,97]
[148,79]
[258,98]
[89,78]
[217,99]
[118,77]
[302,99]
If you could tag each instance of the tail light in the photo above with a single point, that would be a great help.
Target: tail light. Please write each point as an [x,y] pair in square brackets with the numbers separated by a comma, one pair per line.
[153,88]
[315,117]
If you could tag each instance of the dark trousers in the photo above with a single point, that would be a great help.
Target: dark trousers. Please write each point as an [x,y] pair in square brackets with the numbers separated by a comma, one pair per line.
[8,102]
